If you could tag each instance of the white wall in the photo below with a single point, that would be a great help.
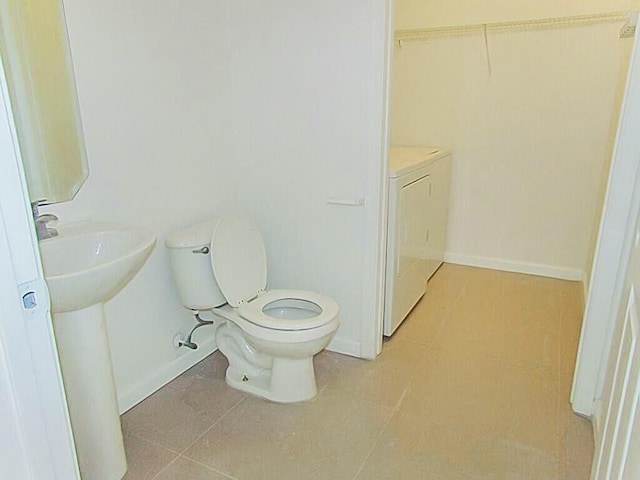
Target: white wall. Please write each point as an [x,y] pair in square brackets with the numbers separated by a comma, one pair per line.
[154,87]
[304,133]
[195,109]
[530,139]
[427,13]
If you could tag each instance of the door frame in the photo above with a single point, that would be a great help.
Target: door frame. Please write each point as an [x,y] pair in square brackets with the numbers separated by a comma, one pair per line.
[615,238]
[39,431]
[375,247]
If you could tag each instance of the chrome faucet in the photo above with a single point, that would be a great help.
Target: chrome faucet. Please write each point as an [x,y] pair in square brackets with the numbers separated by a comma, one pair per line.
[43,231]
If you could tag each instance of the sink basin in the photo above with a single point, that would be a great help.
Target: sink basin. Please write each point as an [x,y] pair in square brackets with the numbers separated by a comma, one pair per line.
[85,266]
[90,262]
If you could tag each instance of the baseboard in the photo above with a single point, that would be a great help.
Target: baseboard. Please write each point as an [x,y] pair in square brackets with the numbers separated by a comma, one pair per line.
[158,379]
[585,290]
[551,271]
[134,395]
[597,425]
[344,346]
[596,421]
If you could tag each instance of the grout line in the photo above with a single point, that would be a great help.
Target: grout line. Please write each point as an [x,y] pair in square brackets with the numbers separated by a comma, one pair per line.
[401,399]
[212,425]
[153,442]
[215,470]
[177,454]
[374,444]
[182,454]
[167,466]
[395,409]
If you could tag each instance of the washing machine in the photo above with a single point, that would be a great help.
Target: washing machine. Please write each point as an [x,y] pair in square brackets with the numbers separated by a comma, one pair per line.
[419,185]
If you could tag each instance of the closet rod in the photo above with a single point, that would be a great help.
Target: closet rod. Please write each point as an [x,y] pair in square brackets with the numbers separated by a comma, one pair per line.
[417,34]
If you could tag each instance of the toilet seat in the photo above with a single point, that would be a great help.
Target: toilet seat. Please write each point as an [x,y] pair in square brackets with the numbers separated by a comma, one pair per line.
[239,263]
[239,259]
[321,310]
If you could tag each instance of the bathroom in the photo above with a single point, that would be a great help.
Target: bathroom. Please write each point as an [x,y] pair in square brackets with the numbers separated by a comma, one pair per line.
[167,102]
[168,94]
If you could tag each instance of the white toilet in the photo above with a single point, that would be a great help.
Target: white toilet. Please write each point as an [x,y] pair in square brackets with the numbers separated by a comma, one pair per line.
[268,336]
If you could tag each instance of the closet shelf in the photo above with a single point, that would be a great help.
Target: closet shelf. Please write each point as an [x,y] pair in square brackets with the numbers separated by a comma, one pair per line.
[419,34]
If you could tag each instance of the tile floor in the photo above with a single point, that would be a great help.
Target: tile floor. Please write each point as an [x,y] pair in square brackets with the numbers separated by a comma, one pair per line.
[474,385]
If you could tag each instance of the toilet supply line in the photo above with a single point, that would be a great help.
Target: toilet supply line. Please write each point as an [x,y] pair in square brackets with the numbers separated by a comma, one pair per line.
[179,340]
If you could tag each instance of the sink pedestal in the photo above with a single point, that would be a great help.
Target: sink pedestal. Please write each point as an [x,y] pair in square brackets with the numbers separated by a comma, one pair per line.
[86,265]
[85,360]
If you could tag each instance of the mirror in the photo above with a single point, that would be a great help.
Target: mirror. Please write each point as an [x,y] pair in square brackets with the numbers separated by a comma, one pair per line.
[37,62]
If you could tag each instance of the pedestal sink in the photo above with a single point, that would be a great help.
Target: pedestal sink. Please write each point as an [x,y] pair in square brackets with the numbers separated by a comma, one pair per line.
[85,266]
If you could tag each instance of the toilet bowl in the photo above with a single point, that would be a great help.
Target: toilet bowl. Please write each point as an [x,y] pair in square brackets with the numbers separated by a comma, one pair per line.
[268,336]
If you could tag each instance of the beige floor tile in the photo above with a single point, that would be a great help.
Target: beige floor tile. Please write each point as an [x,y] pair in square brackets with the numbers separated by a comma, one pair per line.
[539,347]
[145,459]
[466,334]
[569,471]
[487,398]
[180,412]
[383,381]
[462,393]
[576,432]
[474,385]
[415,448]
[328,437]
[185,469]
[326,364]
[212,367]
[533,409]
[504,459]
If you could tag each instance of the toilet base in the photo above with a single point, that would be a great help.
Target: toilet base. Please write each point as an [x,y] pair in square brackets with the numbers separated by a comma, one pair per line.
[288,380]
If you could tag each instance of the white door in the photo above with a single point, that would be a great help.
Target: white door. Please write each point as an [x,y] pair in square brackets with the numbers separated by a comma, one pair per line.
[622,203]
[36,442]
[614,459]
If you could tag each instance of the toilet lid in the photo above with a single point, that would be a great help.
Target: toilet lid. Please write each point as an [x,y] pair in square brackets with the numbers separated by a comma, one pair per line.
[238,259]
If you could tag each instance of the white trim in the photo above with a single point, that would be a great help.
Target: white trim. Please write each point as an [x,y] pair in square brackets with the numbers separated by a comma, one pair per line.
[345,346]
[596,421]
[585,290]
[622,203]
[373,279]
[538,269]
[133,395]
[159,378]
[26,336]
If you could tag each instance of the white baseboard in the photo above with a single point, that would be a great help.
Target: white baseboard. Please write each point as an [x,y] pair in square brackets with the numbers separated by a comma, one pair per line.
[158,379]
[597,425]
[596,421]
[135,394]
[585,290]
[344,346]
[551,271]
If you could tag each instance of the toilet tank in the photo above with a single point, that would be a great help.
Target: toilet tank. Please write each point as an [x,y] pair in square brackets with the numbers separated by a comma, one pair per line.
[190,260]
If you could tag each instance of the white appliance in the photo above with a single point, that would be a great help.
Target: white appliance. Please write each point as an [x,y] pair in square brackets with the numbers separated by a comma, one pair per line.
[419,184]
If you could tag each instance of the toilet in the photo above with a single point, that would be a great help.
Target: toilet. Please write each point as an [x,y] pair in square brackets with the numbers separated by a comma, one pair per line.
[268,336]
